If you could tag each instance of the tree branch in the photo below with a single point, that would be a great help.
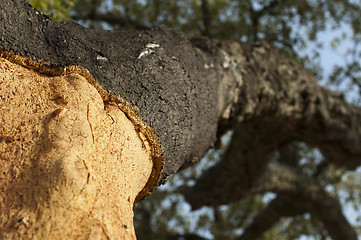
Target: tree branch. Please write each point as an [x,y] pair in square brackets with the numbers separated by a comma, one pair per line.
[256,15]
[206,14]
[280,102]
[187,236]
[305,193]
[112,19]
[264,221]
[180,95]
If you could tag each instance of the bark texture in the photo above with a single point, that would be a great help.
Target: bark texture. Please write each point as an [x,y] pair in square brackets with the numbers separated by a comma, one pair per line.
[71,167]
[164,82]
[279,103]
[190,92]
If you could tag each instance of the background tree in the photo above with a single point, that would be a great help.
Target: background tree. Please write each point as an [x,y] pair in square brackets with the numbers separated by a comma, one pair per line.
[293,27]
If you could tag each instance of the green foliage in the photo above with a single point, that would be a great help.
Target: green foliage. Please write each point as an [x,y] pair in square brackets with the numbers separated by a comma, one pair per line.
[59,10]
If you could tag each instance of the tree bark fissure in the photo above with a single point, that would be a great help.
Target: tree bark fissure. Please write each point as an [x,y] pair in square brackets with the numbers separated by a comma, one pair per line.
[191,92]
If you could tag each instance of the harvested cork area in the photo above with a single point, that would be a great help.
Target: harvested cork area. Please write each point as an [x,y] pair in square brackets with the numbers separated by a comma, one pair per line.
[71,165]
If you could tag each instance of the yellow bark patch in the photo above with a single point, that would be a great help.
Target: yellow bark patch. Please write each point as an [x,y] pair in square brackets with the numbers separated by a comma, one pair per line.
[72,162]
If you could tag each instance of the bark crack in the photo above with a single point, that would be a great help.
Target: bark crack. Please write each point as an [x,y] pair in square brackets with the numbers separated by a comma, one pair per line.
[90,125]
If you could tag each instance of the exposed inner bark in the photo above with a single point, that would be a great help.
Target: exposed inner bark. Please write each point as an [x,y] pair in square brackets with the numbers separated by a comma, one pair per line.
[157,71]
[187,92]
[71,166]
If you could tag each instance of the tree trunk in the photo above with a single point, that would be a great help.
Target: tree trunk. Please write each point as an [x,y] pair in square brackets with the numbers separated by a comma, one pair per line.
[92,121]
[71,165]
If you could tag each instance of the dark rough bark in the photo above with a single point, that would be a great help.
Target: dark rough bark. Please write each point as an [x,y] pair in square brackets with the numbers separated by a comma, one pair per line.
[168,87]
[281,103]
[191,92]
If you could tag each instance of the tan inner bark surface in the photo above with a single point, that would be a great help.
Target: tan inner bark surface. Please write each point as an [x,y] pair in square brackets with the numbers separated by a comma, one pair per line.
[71,167]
